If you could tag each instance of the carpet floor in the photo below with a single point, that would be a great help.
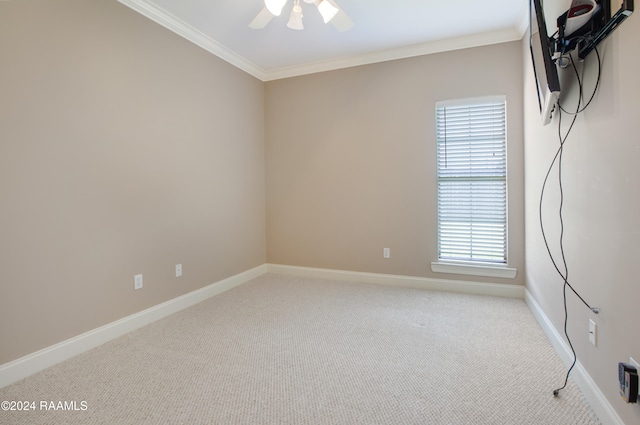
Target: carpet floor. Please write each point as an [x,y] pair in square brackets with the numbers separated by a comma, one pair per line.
[287,350]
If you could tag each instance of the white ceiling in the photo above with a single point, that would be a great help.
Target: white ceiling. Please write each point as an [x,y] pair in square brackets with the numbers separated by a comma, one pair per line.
[383,30]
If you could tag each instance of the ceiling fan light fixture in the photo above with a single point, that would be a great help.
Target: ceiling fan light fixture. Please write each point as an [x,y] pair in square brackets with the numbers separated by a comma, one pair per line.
[327,10]
[295,19]
[275,6]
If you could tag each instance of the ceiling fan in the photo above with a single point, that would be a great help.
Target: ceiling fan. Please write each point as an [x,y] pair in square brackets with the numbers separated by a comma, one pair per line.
[329,10]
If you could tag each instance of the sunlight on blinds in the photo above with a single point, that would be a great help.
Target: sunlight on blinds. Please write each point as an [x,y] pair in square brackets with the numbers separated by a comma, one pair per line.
[472,180]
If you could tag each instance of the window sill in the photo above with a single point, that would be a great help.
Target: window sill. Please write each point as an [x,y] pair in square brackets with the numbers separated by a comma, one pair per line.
[487,270]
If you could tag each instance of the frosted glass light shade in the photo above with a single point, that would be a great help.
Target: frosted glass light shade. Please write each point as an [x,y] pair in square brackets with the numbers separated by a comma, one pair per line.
[327,10]
[275,6]
[295,19]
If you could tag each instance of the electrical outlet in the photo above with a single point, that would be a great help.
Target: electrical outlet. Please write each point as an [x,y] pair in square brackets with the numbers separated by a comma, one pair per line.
[178,270]
[592,332]
[386,253]
[137,281]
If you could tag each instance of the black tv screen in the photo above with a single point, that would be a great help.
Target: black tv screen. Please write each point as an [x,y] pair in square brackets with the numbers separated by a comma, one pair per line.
[546,73]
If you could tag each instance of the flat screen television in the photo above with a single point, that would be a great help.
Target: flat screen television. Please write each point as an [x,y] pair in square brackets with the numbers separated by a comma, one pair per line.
[546,73]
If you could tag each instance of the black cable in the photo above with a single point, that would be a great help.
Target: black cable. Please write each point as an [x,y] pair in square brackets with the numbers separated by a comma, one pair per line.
[544,184]
[558,157]
[580,80]
[566,333]
[564,275]
[564,260]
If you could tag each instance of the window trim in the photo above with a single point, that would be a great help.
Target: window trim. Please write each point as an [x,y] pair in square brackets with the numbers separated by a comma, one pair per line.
[478,267]
[475,268]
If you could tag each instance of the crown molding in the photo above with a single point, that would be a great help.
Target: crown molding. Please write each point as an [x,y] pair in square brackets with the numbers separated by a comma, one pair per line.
[172,23]
[186,31]
[476,40]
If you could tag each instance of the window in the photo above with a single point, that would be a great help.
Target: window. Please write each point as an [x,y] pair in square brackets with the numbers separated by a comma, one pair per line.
[472,180]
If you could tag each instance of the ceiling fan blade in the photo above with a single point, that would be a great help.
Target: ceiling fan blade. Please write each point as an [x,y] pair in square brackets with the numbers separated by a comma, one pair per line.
[342,21]
[261,20]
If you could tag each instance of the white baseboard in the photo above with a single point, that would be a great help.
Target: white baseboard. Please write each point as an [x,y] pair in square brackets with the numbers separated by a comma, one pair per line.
[461,286]
[35,362]
[21,368]
[600,405]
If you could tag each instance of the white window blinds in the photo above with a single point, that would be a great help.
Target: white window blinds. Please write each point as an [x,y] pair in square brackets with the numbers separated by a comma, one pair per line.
[472,180]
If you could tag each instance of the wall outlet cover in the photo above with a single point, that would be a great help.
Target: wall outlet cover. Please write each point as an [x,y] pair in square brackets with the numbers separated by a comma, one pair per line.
[592,332]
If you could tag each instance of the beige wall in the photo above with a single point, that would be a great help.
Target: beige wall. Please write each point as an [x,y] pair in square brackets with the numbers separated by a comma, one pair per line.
[351,160]
[601,208]
[124,149]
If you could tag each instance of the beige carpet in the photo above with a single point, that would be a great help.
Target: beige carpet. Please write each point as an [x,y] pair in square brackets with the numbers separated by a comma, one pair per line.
[284,350]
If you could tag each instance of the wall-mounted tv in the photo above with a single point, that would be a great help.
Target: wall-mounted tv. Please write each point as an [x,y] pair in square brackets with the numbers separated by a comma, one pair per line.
[546,73]
[596,21]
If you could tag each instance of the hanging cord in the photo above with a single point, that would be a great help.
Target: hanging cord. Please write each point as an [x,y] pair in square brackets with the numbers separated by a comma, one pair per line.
[580,80]
[558,158]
